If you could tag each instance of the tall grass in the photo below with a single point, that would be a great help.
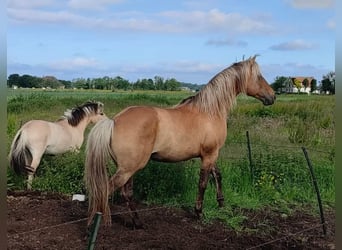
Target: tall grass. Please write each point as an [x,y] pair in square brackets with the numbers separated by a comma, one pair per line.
[280,178]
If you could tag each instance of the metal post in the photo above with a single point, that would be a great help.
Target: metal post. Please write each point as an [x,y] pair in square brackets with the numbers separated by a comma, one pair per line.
[250,156]
[94,230]
[316,189]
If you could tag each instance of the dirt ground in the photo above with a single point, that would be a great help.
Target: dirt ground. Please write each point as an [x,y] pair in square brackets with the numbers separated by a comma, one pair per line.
[52,221]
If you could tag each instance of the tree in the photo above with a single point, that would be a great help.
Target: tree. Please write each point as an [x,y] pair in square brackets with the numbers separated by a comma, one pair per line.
[328,83]
[79,83]
[51,81]
[313,85]
[121,83]
[159,82]
[13,80]
[172,84]
[305,83]
[279,83]
[28,81]
[297,83]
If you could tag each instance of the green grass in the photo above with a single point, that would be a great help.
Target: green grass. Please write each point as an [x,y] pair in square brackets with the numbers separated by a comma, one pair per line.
[280,177]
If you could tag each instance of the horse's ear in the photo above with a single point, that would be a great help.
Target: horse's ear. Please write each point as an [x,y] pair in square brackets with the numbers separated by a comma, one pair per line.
[254,57]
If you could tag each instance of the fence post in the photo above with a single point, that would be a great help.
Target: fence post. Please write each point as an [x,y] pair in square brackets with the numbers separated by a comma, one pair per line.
[250,156]
[94,230]
[316,189]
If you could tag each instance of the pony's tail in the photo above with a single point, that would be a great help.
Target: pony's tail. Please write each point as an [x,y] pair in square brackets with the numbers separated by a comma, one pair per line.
[19,155]
[96,178]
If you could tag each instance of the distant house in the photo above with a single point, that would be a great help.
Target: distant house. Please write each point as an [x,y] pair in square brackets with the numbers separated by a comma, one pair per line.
[295,84]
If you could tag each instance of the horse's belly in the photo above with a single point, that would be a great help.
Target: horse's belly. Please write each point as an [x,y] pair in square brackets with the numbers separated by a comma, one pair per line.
[54,150]
[59,149]
[171,156]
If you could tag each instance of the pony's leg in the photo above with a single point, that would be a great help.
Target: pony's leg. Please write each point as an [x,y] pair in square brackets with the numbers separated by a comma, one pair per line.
[208,163]
[118,180]
[215,172]
[127,194]
[29,181]
[31,170]
[202,185]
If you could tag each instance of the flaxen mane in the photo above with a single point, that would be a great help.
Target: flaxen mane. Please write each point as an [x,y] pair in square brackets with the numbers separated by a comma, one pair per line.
[77,114]
[219,95]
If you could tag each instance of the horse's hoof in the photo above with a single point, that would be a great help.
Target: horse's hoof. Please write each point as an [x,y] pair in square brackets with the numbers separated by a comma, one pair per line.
[198,213]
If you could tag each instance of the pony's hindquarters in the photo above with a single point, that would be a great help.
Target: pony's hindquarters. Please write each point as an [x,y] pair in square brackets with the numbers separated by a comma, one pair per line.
[20,155]
[96,178]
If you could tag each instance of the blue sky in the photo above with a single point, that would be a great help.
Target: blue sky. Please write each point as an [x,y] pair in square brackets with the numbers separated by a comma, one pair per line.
[190,40]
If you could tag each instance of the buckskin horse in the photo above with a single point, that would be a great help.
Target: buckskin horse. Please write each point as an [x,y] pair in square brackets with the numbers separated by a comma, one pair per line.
[38,137]
[196,127]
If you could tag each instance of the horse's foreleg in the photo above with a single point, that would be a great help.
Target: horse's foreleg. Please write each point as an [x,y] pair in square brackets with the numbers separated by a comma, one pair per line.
[127,194]
[202,185]
[215,172]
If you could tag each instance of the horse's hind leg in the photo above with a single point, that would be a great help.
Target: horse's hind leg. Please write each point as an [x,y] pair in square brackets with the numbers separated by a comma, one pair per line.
[127,194]
[123,179]
[215,172]
[31,170]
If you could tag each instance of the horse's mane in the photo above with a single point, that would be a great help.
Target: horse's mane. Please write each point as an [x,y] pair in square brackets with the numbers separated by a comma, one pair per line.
[219,95]
[78,113]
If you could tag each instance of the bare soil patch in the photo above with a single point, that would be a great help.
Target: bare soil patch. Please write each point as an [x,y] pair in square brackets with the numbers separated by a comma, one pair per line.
[52,221]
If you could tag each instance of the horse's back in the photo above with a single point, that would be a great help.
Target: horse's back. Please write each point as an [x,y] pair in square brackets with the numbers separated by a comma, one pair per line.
[50,137]
[136,124]
[36,128]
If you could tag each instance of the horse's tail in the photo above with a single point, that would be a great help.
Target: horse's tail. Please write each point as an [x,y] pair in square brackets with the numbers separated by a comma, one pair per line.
[98,151]
[20,155]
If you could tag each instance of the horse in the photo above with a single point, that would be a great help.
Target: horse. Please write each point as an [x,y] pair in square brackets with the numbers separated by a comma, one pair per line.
[38,137]
[196,127]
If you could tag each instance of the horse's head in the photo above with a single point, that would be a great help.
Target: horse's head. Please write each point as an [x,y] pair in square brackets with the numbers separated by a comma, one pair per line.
[98,113]
[258,87]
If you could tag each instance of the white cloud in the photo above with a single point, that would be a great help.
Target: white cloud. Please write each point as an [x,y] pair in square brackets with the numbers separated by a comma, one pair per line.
[91,4]
[192,67]
[75,63]
[163,22]
[20,4]
[294,45]
[28,16]
[312,4]
[216,20]
[226,42]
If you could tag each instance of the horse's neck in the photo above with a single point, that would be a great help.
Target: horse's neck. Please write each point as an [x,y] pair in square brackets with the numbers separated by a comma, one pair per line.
[82,125]
[76,132]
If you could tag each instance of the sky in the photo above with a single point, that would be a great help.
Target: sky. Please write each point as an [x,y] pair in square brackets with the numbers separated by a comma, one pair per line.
[189,40]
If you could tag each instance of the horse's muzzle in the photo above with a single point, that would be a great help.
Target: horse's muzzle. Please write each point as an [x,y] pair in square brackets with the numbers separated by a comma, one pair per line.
[268,100]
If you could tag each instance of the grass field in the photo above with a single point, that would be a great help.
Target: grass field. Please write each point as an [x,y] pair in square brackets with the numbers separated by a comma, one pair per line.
[278,176]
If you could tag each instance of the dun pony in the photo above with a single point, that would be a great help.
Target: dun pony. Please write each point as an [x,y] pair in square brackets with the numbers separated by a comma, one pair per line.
[38,137]
[196,127]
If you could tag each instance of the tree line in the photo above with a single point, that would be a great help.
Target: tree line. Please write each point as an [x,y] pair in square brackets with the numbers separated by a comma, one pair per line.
[108,83]
[327,84]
